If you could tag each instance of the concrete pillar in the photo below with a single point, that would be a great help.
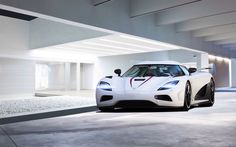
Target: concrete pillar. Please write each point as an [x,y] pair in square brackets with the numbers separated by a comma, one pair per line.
[78,77]
[67,76]
[232,73]
[202,61]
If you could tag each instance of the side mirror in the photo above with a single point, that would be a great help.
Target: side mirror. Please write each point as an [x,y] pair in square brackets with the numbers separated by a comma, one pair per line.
[192,70]
[117,71]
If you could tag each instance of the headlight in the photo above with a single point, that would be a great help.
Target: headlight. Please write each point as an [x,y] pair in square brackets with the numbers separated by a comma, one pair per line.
[104,86]
[169,85]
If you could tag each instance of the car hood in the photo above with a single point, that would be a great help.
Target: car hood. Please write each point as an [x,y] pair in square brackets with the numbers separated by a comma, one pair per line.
[138,83]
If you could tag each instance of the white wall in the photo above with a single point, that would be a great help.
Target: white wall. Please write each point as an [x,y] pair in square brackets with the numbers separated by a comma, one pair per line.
[17,35]
[106,65]
[87,76]
[62,76]
[184,56]
[17,76]
[56,76]
[14,37]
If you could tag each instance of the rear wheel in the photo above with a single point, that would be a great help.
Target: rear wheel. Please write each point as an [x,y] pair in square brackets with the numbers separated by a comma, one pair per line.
[211,99]
[187,97]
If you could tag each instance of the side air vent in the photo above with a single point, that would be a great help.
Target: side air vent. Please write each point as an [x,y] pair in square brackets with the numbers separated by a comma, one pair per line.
[201,93]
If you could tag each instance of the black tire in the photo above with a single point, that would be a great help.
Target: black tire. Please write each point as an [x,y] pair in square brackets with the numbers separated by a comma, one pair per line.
[106,109]
[187,97]
[211,99]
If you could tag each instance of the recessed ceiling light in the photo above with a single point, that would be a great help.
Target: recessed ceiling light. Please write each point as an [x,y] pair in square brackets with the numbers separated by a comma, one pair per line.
[54,54]
[98,49]
[151,41]
[84,49]
[129,44]
[110,46]
[211,57]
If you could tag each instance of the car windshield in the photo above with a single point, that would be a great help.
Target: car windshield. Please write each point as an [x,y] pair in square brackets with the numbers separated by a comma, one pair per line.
[159,70]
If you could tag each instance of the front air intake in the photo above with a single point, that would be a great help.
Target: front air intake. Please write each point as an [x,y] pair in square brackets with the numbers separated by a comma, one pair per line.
[106,98]
[163,97]
[135,104]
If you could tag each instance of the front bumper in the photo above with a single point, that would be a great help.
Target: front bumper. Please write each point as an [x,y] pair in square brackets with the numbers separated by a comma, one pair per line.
[137,98]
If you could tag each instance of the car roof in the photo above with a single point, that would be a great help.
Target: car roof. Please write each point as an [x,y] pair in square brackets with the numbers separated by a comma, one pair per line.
[159,62]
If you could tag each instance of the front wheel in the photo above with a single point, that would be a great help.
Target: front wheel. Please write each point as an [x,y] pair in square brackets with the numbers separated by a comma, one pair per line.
[106,109]
[187,97]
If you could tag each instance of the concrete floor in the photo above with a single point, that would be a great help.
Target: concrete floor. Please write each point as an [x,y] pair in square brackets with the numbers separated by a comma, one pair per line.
[214,126]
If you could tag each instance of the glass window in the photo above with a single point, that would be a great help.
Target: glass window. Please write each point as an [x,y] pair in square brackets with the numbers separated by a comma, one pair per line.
[159,70]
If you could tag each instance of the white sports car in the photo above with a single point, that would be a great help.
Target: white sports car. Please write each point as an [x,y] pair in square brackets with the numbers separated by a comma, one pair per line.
[156,84]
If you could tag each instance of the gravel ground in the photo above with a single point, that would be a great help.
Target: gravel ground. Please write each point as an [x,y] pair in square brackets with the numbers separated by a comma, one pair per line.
[30,105]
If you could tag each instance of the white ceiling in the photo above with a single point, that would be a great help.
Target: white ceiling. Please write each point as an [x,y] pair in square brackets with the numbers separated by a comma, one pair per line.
[213,20]
[115,44]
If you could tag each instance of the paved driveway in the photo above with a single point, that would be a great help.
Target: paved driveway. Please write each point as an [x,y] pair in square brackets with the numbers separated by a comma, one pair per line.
[215,126]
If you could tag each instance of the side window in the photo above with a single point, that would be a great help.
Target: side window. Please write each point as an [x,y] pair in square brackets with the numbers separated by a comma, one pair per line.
[185,70]
[175,70]
[180,71]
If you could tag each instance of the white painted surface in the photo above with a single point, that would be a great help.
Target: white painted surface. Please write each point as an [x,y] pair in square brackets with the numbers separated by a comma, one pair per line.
[204,63]
[140,7]
[67,76]
[106,65]
[82,11]
[227,41]
[184,56]
[233,72]
[14,36]
[215,30]
[222,36]
[110,45]
[195,10]
[45,33]
[209,21]
[78,75]
[73,76]
[87,76]
[17,77]
[56,76]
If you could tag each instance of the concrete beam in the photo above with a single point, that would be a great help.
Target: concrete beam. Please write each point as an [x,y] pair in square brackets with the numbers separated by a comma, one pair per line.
[45,33]
[227,41]
[99,2]
[229,46]
[195,10]
[215,30]
[221,36]
[141,7]
[206,22]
